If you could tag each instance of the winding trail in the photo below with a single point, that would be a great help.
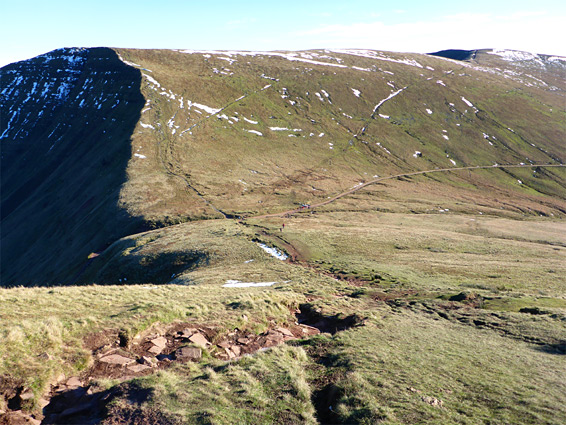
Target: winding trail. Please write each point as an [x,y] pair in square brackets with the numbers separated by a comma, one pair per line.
[415,173]
[348,192]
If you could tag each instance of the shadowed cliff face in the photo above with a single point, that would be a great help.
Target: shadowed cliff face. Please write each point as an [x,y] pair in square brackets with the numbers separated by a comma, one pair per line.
[66,121]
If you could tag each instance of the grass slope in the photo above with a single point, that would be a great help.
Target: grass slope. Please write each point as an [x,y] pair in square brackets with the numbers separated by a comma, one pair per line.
[488,361]
[440,296]
[297,132]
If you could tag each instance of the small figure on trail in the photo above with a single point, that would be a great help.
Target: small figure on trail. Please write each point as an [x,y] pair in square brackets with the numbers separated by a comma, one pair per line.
[282,227]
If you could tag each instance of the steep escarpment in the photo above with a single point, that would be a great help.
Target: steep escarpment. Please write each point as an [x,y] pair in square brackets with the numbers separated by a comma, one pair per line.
[67,117]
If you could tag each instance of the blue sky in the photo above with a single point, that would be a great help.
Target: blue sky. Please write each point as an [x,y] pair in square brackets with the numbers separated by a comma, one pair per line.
[32,27]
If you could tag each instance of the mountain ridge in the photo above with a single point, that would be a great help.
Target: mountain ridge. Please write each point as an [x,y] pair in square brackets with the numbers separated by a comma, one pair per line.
[266,77]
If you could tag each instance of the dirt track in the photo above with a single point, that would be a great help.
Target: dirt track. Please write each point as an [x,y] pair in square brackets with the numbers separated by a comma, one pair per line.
[380,179]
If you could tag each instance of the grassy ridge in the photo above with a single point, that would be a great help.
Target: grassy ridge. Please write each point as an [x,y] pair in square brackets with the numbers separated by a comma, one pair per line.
[397,271]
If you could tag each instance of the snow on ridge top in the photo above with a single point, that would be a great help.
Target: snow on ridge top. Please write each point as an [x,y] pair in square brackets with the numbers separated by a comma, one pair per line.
[73,55]
[514,55]
[374,54]
[517,57]
[135,65]
[292,56]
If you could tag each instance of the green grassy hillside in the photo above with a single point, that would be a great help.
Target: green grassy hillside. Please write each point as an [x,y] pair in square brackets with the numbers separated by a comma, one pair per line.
[227,134]
[282,237]
[303,126]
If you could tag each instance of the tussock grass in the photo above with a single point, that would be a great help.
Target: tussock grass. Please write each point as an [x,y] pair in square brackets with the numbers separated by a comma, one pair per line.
[479,376]
[43,329]
[437,251]
[270,387]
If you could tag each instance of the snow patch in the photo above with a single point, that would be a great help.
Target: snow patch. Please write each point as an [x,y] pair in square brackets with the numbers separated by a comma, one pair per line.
[356,92]
[381,102]
[274,252]
[384,148]
[467,102]
[259,133]
[205,108]
[152,80]
[231,283]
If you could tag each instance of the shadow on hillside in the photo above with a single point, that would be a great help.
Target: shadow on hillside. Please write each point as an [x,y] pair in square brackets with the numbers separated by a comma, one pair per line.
[60,185]
[309,315]
[81,406]
[558,348]
[135,269]
[456,54]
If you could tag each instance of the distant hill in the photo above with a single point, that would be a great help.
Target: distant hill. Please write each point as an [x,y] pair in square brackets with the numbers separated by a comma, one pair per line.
[102,143]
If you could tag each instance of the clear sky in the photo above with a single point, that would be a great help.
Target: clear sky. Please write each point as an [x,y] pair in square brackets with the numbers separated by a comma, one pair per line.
[32,27]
